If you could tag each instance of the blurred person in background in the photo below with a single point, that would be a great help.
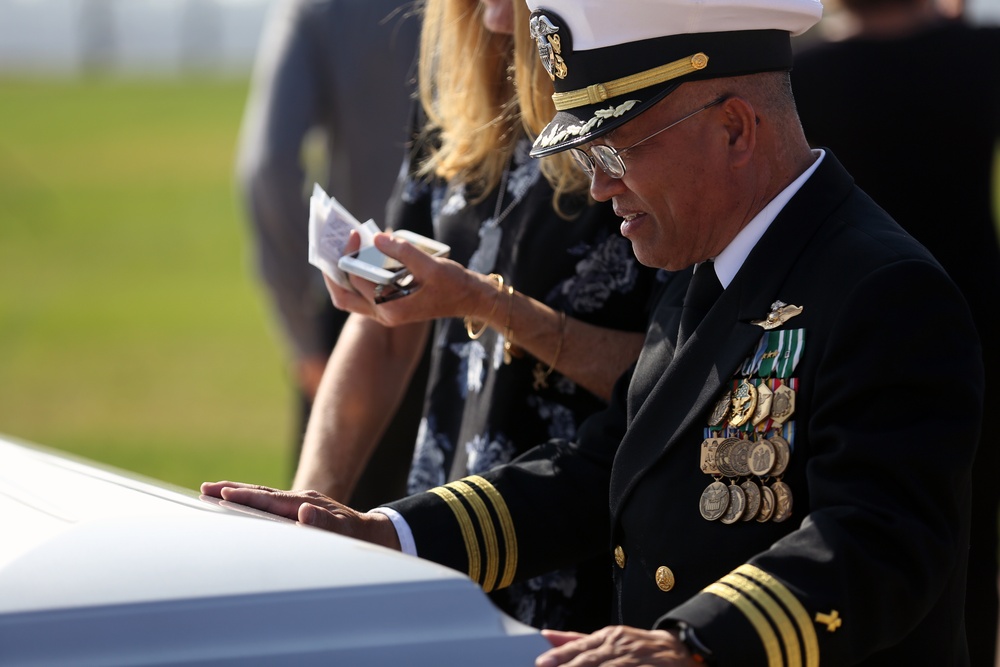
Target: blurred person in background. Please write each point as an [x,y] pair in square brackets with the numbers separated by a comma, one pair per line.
[911,104]
[541,305]
[339,73]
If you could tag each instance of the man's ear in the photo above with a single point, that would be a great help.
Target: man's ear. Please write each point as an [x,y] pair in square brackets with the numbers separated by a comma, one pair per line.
[741,124]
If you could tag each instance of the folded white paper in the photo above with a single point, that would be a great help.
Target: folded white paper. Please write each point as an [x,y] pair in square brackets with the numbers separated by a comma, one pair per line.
[330,226]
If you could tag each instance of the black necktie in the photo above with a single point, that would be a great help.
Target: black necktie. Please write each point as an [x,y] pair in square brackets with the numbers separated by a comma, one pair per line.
[702,292]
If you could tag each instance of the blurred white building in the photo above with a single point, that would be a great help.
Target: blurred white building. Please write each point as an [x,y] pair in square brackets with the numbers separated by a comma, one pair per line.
[130,36]
[168,36]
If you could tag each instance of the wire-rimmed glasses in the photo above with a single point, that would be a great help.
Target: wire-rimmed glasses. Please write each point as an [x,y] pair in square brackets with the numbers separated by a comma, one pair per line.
[610,159]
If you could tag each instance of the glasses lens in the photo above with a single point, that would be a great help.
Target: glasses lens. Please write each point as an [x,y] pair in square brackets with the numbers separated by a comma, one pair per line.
[583,160]
[609,160]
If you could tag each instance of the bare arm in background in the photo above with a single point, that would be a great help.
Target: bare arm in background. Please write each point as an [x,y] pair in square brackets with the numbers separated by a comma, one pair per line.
[366,377]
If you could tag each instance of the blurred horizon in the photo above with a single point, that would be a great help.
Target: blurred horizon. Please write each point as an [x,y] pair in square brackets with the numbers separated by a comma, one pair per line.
[130,37]
[181,37]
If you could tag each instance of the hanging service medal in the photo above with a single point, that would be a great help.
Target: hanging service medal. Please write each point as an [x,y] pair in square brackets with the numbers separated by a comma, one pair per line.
[760,461]
[790,351]
[739,457]
[762,457]
[764,398]
[766,504]
[724,457]
[714,501]
[721,410]
[737,504]
[768,350]
[782,455]
[745,398]
[753,495]
[708,449]
[783,404]
[744,403]
[733,465]
[782,492]
[782,501]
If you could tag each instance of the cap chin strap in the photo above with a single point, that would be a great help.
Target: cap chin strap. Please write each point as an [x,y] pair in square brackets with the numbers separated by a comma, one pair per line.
[598,92]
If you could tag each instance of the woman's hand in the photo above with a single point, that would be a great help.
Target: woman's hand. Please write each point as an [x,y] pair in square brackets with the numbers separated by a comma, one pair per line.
[442,287]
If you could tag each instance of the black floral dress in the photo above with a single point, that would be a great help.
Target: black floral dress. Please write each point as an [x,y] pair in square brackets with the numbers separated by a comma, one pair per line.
[480,413]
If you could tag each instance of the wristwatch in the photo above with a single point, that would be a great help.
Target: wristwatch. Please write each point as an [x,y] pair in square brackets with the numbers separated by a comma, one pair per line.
[689,638]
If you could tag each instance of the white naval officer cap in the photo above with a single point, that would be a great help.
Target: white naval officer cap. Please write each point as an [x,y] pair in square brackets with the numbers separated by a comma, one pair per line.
[610,60]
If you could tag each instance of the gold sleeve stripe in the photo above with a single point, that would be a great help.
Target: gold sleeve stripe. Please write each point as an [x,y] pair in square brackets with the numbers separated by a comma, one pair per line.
[598,92]
[465,523]
[756,618]
[486,526]
[798,612]
[793,652]
[506,527]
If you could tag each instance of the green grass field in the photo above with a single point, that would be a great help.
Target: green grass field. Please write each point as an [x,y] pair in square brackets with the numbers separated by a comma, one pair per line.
[132,328]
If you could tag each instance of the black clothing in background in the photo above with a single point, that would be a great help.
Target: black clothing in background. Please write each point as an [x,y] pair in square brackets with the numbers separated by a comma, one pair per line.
[916,121]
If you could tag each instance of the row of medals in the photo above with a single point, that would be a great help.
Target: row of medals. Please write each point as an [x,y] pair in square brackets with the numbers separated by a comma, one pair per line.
[765,458]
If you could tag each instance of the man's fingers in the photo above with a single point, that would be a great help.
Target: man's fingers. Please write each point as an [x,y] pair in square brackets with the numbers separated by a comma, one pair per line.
[268,500]
[560,637]
[327,518]
[215,488]
[308,514]
[614,645]
[567,646]
[254,495]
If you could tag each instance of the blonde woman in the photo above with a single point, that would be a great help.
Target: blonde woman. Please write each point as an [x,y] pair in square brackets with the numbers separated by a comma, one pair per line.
[539,309]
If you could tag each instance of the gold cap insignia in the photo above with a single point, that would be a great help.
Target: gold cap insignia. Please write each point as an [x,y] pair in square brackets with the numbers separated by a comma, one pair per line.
[543,31]
[780,313]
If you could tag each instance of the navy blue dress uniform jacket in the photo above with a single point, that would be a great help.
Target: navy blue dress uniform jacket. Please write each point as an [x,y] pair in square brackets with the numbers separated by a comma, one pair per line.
[870,566]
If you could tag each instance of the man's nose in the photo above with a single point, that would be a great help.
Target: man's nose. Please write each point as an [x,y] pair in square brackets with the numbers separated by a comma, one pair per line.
[603,187]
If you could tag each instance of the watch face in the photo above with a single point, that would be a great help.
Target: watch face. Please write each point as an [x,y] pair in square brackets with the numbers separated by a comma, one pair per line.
[686,634]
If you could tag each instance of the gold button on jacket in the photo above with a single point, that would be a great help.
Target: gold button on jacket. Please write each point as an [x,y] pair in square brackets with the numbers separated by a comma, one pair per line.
[664,578]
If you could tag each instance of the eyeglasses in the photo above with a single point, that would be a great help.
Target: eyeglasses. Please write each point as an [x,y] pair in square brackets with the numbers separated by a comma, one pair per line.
[610,159]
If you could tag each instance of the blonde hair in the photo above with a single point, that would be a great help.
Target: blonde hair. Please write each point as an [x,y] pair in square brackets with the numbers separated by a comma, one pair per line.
[479,90]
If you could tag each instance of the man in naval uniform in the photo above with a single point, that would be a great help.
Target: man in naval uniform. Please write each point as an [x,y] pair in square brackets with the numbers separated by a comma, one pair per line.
[783,477]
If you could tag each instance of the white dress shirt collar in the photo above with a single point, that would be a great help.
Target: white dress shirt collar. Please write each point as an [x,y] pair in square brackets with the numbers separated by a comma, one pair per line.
[729,261]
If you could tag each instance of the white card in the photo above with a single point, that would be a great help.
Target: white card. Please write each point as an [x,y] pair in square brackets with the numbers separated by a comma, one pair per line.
[330,226]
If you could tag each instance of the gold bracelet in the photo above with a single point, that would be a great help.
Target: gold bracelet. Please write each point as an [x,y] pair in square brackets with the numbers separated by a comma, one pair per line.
[469,329]
[508,344]
[540,373]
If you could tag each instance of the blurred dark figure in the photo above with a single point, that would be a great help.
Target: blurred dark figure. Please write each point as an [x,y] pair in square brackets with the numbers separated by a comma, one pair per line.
[200,36]
[911,105]
[97,36]
[342,70]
